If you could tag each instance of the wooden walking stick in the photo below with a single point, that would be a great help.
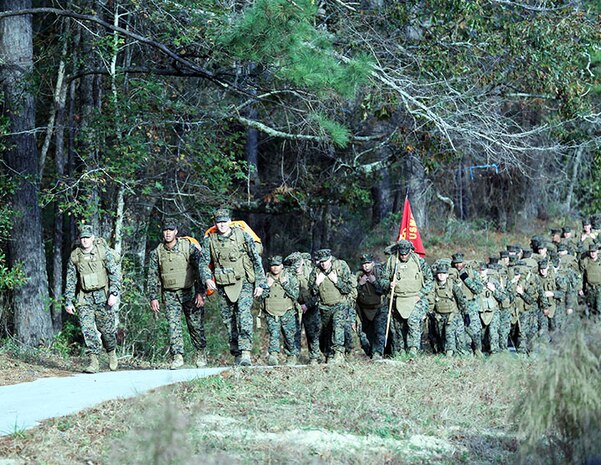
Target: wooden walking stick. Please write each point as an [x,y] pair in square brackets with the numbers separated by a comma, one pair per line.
[391,299]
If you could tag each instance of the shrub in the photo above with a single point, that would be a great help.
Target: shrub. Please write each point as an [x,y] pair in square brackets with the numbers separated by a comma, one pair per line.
[559,415]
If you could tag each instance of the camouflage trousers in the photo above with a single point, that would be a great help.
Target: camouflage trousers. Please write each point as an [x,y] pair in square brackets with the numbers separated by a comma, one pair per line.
[593,301]
[176,303]
[311,321]
[407,332]
[334,319]
[473,330]
[373,332]
[490,333]
[287,325]
[449,332]
[237,318]
[351,317]
[547,325]
[504,328]
[524,330]
[96,317]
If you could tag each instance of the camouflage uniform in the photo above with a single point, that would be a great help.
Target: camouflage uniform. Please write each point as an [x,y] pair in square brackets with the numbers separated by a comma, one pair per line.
[524,319]
[448,304]
[310,317]
[173,275]
[500,273]
[279,304]
[414,281]
[471,286]
[591,280]
[490,310]
[332,302]
[91,278]
[238,271]
[372,310]
[573,282]
[587,237]
[557,284]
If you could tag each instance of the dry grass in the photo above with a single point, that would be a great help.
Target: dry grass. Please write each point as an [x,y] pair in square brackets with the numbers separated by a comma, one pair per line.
[432,410]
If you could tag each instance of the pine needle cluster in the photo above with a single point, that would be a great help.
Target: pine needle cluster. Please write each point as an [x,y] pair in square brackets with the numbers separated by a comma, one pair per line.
[280,34]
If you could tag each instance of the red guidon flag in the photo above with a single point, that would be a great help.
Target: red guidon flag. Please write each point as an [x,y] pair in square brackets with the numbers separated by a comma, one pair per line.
[409,231]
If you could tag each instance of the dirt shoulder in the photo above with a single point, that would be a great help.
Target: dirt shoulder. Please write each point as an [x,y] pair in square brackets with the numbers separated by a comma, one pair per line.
[15,371]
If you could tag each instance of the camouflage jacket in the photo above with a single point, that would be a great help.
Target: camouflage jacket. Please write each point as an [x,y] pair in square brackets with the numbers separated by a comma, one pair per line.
[250,249]
[428,284]
[289,283]
[154,285]
[73,285]
[345,282]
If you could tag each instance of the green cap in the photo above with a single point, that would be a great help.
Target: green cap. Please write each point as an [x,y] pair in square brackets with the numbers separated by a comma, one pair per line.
[323,255]
[367,258]
[593,248]
[543,264]
[86,230]
[276,260]
[442,267]
[404,246]
[456,258]
[293,259]
[222,214]
[169,223]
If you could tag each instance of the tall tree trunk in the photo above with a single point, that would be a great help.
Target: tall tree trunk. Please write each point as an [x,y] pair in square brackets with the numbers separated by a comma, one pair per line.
[32,321]
[60,97]
[382,198]
[574,177]
[417,184]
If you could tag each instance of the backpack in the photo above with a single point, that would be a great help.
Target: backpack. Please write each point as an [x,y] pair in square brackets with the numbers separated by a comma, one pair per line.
[243,225]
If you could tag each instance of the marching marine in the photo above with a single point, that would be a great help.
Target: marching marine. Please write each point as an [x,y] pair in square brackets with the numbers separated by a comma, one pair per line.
[371,306]
[173,274]
[280,303]
[310,319]
[411,281]
[93,286]
[239,277]
[331,282]
[471,286]
[449,304]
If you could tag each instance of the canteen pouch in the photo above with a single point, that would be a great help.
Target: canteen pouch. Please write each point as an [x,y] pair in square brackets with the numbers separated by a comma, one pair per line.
[90,282]
[225,276]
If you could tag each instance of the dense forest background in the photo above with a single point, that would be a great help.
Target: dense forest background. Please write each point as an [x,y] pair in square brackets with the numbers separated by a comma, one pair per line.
[310,119]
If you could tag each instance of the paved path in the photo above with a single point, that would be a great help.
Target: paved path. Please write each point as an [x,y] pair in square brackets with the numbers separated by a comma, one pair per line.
[24,405]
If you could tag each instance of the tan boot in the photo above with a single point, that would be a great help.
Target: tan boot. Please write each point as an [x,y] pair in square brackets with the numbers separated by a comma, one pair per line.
[178,362]
[245,360]
[478,353]
[413,352]
[113,363]
[376,356]
[337,359]
[291,360]
[313,361]
[272,359]
[449,353]
[93,366]
[201,358]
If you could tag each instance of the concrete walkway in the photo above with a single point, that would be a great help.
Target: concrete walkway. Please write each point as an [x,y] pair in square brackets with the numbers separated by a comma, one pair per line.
[24,405]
